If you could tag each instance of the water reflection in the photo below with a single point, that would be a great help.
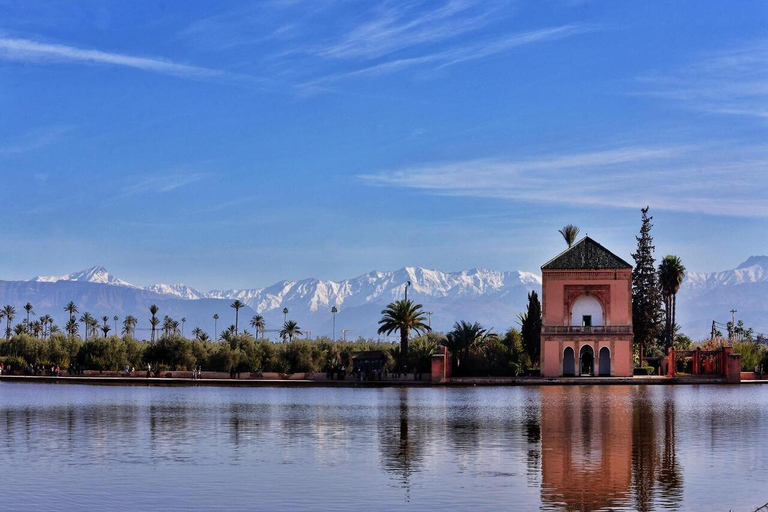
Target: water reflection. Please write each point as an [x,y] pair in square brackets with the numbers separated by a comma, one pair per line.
[606,448]
[586,449]
[550,448]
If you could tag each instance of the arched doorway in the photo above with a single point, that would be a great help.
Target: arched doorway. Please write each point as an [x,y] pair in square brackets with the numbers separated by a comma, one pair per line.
[569,363]
[586,361]
[605,362]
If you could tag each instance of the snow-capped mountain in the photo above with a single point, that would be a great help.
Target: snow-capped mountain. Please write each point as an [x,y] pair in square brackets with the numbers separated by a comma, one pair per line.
[181,291]
[754,270]
[490,297]
[92,275]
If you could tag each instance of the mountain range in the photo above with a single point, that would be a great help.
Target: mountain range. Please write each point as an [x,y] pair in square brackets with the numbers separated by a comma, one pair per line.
[490,297]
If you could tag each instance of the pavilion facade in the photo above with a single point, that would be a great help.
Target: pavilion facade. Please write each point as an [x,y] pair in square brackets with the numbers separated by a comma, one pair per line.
[586,313]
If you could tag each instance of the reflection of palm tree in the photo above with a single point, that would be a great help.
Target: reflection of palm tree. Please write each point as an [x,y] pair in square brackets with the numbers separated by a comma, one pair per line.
[671,475]
[644,453]
[401,444]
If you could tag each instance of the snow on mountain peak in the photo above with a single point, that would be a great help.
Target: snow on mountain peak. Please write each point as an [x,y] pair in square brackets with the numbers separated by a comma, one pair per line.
[97,274]
[179,290]
[755,261]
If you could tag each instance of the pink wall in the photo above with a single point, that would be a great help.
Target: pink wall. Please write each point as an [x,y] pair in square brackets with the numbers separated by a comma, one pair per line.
[560,289]
[619,295]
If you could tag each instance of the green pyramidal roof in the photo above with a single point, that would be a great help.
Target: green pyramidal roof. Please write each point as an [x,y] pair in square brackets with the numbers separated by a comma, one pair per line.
[586,254]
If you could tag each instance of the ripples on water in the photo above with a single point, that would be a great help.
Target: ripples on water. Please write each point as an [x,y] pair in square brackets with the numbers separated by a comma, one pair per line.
[575,448]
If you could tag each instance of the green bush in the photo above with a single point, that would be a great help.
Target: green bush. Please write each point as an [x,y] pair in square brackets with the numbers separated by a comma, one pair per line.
[17,364]
[752,354]
[644,370]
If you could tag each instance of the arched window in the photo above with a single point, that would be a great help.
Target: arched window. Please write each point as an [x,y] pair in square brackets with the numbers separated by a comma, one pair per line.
[587,312]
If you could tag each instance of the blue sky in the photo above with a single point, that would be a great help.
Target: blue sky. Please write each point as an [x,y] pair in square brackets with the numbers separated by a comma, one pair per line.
[225,145]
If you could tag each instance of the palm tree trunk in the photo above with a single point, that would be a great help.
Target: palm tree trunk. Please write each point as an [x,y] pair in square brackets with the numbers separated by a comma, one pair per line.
[674,314]
[403,346]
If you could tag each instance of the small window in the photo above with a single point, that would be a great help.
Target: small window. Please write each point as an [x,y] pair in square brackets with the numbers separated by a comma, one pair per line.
[586,321]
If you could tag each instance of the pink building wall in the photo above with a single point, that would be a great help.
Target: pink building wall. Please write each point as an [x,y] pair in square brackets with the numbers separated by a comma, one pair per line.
[560,290]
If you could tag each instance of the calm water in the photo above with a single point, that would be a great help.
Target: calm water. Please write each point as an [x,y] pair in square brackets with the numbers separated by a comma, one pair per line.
[551,448]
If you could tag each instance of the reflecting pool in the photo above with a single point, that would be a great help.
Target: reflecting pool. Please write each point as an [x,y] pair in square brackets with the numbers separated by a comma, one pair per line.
[508,448]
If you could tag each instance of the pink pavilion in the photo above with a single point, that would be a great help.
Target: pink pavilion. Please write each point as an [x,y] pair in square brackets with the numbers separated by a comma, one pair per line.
[586,313]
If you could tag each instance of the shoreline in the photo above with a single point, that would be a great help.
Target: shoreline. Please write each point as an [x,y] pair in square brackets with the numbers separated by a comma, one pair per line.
[309,383]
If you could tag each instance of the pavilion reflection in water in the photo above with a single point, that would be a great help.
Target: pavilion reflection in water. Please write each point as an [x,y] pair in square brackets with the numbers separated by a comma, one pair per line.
[605,448]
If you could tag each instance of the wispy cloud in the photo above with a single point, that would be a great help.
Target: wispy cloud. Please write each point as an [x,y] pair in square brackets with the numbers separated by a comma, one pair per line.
[731,82]
[397,27]
[33,141]
[161,184]
[25,50]
[718,181]
[455,55]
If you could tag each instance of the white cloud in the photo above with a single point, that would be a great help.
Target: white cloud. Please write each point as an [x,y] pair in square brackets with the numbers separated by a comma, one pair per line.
[161,184]
[455,55]
[733,82]
[717,181]
[395,28]
[25,50]
[33,141]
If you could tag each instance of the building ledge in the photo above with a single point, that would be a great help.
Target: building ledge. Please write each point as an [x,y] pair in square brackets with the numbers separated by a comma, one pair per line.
[578,329]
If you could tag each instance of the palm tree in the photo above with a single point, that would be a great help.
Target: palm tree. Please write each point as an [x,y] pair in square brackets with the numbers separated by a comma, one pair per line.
[463,337]
[183,321]
[115,318]
[167,325]
[236,305]
[129,325]
[45,322]
[36,327]
[403,316]
[71,327]
[153,321]
[215,329]
[671,274]
[71,308]
[290,329]
[334,310]
[257,322]
[105,328]
[285,314]
[10,313]
[29,308]
[86,318]
[196,332]
[569,232]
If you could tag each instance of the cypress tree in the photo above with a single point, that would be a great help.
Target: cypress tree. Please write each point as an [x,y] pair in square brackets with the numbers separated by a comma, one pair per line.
[646,296]
[531,327]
